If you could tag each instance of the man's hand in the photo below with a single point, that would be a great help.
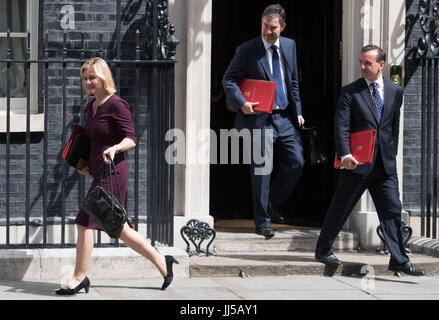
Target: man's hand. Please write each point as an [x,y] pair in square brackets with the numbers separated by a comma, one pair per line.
[247,108]
[300,120]
[350,163]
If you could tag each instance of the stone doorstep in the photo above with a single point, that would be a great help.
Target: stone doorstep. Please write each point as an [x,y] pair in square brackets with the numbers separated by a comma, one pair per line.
[123,263]
[105,263]
[232,264]
[425,246]
[284,240]
[280,262]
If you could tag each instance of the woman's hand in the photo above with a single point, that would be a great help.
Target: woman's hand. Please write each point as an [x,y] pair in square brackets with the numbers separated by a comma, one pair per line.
[111,152]
[85,171]
[122,146]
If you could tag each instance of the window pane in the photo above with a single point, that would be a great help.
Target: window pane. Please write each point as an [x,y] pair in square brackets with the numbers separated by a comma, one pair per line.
[18,72]
[13,15]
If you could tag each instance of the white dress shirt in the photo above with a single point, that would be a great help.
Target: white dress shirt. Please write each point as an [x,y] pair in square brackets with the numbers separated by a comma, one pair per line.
[269,52]
[380,83]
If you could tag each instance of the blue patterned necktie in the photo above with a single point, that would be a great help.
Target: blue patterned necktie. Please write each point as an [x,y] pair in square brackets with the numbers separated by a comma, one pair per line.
[379,104]
[281,99]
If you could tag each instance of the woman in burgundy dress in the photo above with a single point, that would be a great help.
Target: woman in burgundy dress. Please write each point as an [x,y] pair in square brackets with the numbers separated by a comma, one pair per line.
[111,132]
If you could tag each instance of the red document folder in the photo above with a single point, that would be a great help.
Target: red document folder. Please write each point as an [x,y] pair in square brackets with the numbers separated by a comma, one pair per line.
[77,150]
[259,91]
[362,146]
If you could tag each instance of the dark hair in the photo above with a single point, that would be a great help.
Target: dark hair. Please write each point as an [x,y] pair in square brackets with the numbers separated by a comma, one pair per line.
[381,56]
[275,11]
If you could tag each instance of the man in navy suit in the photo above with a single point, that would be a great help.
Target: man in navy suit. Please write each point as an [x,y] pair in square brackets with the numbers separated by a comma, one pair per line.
[272,58]
[371,102]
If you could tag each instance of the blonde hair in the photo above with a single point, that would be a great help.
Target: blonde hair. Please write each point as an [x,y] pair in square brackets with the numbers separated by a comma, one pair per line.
[100,67]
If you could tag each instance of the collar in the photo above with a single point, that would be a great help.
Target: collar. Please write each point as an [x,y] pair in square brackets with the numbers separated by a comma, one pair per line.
[380,82]
[268,45]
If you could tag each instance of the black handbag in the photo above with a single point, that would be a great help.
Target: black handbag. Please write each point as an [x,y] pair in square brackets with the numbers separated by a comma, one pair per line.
[104,208]
[313,150]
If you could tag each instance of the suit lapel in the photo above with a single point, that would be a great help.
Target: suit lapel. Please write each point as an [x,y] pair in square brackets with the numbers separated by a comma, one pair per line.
[365,93]
[263,60]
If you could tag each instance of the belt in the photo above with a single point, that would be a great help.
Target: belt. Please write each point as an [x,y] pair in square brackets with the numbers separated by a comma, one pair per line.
[280,111]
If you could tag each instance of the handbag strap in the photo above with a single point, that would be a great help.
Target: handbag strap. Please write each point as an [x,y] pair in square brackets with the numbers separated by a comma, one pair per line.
[108,169]
[104,169]
[111,164]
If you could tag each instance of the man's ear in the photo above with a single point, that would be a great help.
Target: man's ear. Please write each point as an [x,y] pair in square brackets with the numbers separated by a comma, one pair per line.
[283,27]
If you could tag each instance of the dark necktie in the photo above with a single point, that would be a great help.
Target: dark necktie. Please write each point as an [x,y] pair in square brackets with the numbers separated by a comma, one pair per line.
[281,100]
[379,104]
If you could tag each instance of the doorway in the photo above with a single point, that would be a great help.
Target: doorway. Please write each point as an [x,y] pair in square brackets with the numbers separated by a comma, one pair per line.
[316,28]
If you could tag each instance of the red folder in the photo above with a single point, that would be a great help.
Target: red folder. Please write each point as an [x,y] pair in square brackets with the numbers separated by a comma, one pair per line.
[362,145]
[77,150]
[259,91]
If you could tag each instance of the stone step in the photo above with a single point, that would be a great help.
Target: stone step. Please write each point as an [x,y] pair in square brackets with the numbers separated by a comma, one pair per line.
[293,263]
[105,263]
[284,240]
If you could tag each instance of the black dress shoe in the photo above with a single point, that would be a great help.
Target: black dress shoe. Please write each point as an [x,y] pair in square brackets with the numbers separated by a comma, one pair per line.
[407,268]
[275,214]
[170,274]
[329,260]
[267,232]
[85,284]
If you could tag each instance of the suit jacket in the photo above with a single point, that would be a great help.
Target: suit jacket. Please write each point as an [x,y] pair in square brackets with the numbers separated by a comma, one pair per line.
[356,112]
[250,62]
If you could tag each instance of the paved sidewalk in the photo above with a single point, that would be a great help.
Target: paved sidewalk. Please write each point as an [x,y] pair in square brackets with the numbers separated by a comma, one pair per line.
[237,289]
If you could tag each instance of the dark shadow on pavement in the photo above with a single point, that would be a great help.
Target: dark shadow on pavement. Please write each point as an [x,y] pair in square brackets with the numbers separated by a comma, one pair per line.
[123,287]
[31,288]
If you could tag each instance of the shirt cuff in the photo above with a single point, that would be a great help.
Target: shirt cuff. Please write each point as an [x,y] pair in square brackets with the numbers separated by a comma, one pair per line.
[345,157]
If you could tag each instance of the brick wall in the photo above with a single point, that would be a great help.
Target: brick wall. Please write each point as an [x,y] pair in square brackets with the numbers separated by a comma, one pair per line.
[91,17]
[412,113]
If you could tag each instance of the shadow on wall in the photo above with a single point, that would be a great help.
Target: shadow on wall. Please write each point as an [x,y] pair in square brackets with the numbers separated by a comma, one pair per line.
[18,264]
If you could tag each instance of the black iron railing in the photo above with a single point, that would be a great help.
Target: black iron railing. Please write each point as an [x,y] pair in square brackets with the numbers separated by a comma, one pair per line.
[428,51]
[146,76]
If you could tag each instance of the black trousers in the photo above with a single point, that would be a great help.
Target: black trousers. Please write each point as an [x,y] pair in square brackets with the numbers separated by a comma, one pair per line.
[384,191]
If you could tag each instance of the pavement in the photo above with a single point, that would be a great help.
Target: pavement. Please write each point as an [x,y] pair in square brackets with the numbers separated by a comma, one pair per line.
[237,288]
[238,275]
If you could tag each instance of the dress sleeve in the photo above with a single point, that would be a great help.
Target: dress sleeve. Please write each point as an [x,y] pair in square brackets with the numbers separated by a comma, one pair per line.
[124,123]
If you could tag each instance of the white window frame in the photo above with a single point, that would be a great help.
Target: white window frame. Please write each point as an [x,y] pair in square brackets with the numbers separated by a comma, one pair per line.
[19,105]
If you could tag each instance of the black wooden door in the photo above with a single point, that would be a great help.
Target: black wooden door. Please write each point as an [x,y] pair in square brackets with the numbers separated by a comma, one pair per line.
[316,27]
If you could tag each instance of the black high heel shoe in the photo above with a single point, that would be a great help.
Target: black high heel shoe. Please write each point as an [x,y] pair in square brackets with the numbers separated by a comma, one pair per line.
[85,284]
[168,279]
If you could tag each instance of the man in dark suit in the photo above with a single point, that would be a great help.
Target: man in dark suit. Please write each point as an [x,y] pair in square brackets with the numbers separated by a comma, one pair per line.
[368,103]
[272,58]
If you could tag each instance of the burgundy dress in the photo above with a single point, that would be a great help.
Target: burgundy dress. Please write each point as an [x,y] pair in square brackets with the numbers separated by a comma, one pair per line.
[110,125]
